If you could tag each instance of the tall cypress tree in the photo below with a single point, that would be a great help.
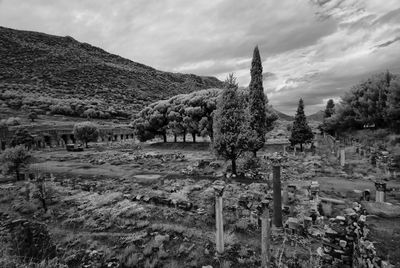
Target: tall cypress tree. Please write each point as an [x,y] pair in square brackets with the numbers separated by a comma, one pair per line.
[301,131]
[257,103]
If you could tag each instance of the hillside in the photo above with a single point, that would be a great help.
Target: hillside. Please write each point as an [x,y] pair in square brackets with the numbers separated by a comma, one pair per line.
[318,116]
[283,116]
[48,73]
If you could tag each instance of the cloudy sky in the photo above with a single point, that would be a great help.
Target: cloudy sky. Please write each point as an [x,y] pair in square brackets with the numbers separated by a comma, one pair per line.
[315,49]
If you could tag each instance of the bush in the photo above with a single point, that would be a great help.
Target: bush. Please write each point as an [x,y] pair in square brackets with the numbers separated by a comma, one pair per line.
[86,132]
[13,121]
[30,241]
[251,163]
[61,109]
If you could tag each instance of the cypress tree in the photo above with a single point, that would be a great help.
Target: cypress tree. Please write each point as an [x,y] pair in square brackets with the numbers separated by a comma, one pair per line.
[301,131]
[257,100]
[231,128]
[330,108]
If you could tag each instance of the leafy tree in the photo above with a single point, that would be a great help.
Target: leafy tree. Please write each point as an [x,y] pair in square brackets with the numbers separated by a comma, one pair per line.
[175,122]
[159,119]
[86,132]
[258,120]
[330,108]
[22,137]
[301,131]
[394,105]
[142,129]
[32,116]
[367,103]
[192,119]
[15,159]
[231,127]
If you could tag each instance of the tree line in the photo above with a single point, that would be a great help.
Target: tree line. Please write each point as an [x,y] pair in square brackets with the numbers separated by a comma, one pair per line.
[373,103]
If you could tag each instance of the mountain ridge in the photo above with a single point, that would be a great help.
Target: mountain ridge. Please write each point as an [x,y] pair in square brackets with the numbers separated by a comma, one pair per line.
[62,68]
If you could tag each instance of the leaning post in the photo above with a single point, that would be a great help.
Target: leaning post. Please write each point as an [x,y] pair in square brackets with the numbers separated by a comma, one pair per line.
[219,236]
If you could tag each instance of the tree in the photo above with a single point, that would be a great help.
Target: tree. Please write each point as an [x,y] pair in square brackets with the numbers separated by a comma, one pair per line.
[86,132]
[327,123]
[257,111]
[192,119]
[22,137]
[394,105]
[301,131]
[231,127]
[330,109]
[15,159]
[175,122]
[32,116]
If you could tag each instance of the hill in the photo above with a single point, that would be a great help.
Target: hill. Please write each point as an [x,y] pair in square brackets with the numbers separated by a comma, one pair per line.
[318,116]
[60,75]
[283,116]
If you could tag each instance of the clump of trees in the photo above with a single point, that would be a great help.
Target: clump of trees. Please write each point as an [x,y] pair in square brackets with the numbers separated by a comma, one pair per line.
[180,115]
[374,103]
[11,121]
[42,104]
[301,131]
[15,159]
[86,132]
[194,114]
[22,137]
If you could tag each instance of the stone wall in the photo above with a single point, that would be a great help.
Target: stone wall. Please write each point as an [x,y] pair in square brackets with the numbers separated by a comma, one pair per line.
[346,242]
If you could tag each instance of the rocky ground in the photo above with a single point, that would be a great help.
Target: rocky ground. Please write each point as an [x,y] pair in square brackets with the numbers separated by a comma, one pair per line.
[153,206]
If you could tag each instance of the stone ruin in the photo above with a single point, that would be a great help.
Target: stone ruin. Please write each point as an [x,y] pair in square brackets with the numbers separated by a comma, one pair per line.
[346,242]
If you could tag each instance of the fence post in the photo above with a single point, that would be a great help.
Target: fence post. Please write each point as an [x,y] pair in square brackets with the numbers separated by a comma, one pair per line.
[219,236]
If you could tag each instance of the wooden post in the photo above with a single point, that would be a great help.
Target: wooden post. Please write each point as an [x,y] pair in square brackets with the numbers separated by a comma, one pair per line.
[265,236]
[277,196]
[219,236]
[342,157]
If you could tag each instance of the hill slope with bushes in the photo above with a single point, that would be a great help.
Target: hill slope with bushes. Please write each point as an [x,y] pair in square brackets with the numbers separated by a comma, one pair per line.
[48,73]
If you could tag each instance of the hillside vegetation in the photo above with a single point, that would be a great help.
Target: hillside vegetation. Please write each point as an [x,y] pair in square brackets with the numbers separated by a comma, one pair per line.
[60,75]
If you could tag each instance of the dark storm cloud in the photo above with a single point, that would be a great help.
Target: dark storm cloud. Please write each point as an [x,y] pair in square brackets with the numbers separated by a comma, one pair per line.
[313,49]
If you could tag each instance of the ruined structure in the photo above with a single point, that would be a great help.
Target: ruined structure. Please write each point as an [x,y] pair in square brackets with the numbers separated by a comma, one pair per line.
[59,136]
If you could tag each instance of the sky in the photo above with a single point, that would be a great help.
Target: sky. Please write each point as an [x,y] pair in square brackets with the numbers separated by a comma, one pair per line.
[311,49]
